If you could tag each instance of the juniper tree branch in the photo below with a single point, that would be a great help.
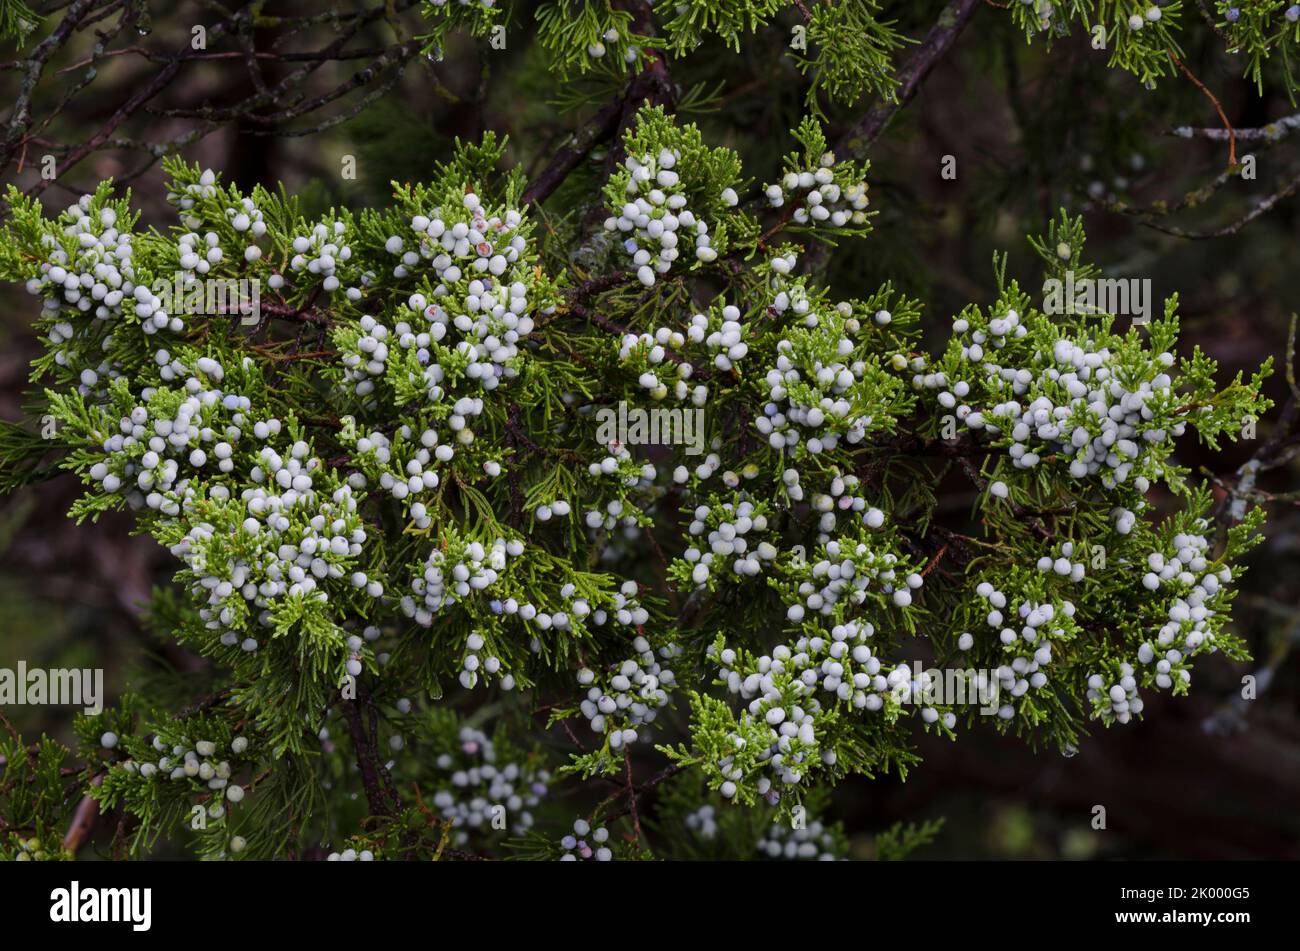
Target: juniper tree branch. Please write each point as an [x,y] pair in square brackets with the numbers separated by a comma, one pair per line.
[1268,136]
[1281,447]
[367,757]
[84,819]
[579,145]
[599,284]
[1277,129]
[963,446]
[655,780]
[282,89]
[389,57]
[87,78]
[128,109]
[1193,198]
[652,86]
[631,797]
[1211,22]
[154,56]
[286,94]
[307,315]
[384,775]
[981,483]
[858,137]
[31,749]
[1232,135]
[1262,207]
[355,110]
[87,815]
[20,118]
[204,703]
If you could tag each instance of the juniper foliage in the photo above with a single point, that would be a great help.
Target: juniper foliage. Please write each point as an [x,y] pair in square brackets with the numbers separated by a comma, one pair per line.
[431,589]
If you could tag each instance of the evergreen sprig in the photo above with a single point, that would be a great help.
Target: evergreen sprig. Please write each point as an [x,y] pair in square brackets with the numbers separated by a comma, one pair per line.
[400,515]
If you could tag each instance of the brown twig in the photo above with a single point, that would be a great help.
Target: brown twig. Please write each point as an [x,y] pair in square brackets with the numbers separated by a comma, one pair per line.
[631,796]
[1232,135]
[600,127]
[84,819]
[383,802]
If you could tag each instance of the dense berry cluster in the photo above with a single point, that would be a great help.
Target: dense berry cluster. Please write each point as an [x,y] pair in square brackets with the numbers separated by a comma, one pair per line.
[34,849]
[453,573]
[1062,566]
[291,539]
[630,694]
[198,765]
[847,572]
[1197,591]
[576,847]
[728,526]
[1073,402]
[1042,625]
[656,217]
[812,842]
[397,493]
[479,792]
[88,272]
[816,401]
[321,254]
[481,277]
[1188,592]
[820,197]
[1119,701]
